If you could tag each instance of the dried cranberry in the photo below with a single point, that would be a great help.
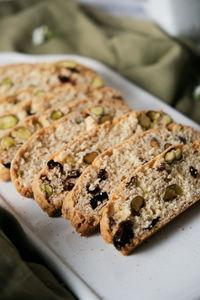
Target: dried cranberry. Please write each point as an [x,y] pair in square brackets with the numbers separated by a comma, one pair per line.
[123,234]
[97,199]
[103,174]
[182,139]
[74,70]
[44,178]
[68,186]
[94,191]
[64,79]
[193,172]
[162,167]
[153,223]
[111,222]
[8,165]
[73,174]
[132,181]
[29,113]
[53,164]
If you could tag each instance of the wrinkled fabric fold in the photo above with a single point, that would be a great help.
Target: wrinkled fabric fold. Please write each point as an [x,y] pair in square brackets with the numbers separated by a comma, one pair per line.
[22,273]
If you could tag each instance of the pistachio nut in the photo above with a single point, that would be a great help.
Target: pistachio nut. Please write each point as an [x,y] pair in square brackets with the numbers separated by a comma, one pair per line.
[7,142]
[8,121]
[22,133]
[88,158]
[97,82]
[97,110]
[47,188]
[172,191]
[57,114]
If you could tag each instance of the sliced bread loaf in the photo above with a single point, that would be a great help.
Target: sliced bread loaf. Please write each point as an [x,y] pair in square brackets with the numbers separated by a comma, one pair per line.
[33,155]
[45,76]
[84,202]
[152,196]
[11,141]
[78,155]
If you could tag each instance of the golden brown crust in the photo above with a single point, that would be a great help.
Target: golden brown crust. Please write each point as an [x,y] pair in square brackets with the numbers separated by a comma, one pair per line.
[4,173]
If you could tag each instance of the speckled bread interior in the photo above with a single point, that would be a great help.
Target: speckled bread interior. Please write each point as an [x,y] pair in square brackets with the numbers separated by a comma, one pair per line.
[80,149]
[13,139]
[152,196]
[83,216]
[117,163]
[45,76]
[79,154]
[33,155]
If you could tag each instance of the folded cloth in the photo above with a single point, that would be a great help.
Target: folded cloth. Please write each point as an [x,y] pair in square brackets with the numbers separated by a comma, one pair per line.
[22,274]
[139,50]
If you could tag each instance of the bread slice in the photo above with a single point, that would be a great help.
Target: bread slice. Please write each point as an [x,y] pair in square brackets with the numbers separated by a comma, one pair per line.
[31,101]
[34,101]
[77,155]
[54,99]
[14,78]
[17,136]
[152,196]
[82,205]
[33,155]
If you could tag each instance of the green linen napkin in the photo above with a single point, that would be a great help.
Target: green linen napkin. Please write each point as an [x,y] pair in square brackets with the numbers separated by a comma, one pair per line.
[139,50]
[22,274]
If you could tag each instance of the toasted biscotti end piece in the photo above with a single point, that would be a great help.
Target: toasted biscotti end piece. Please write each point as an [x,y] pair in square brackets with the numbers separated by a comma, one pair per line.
[115,164]
[151,198]
[33,155]
[46,76]
[15,138]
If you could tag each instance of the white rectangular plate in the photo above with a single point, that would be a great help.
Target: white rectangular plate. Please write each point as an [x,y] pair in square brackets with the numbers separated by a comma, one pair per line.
[167,267]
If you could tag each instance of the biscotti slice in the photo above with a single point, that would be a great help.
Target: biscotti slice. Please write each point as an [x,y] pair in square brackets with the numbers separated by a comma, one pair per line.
[152,196]
[61,95]
[38,100]
[79,154]
[45,76]
[33,155]
[100,110]
[85,203]
[31,102]
[53,99]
